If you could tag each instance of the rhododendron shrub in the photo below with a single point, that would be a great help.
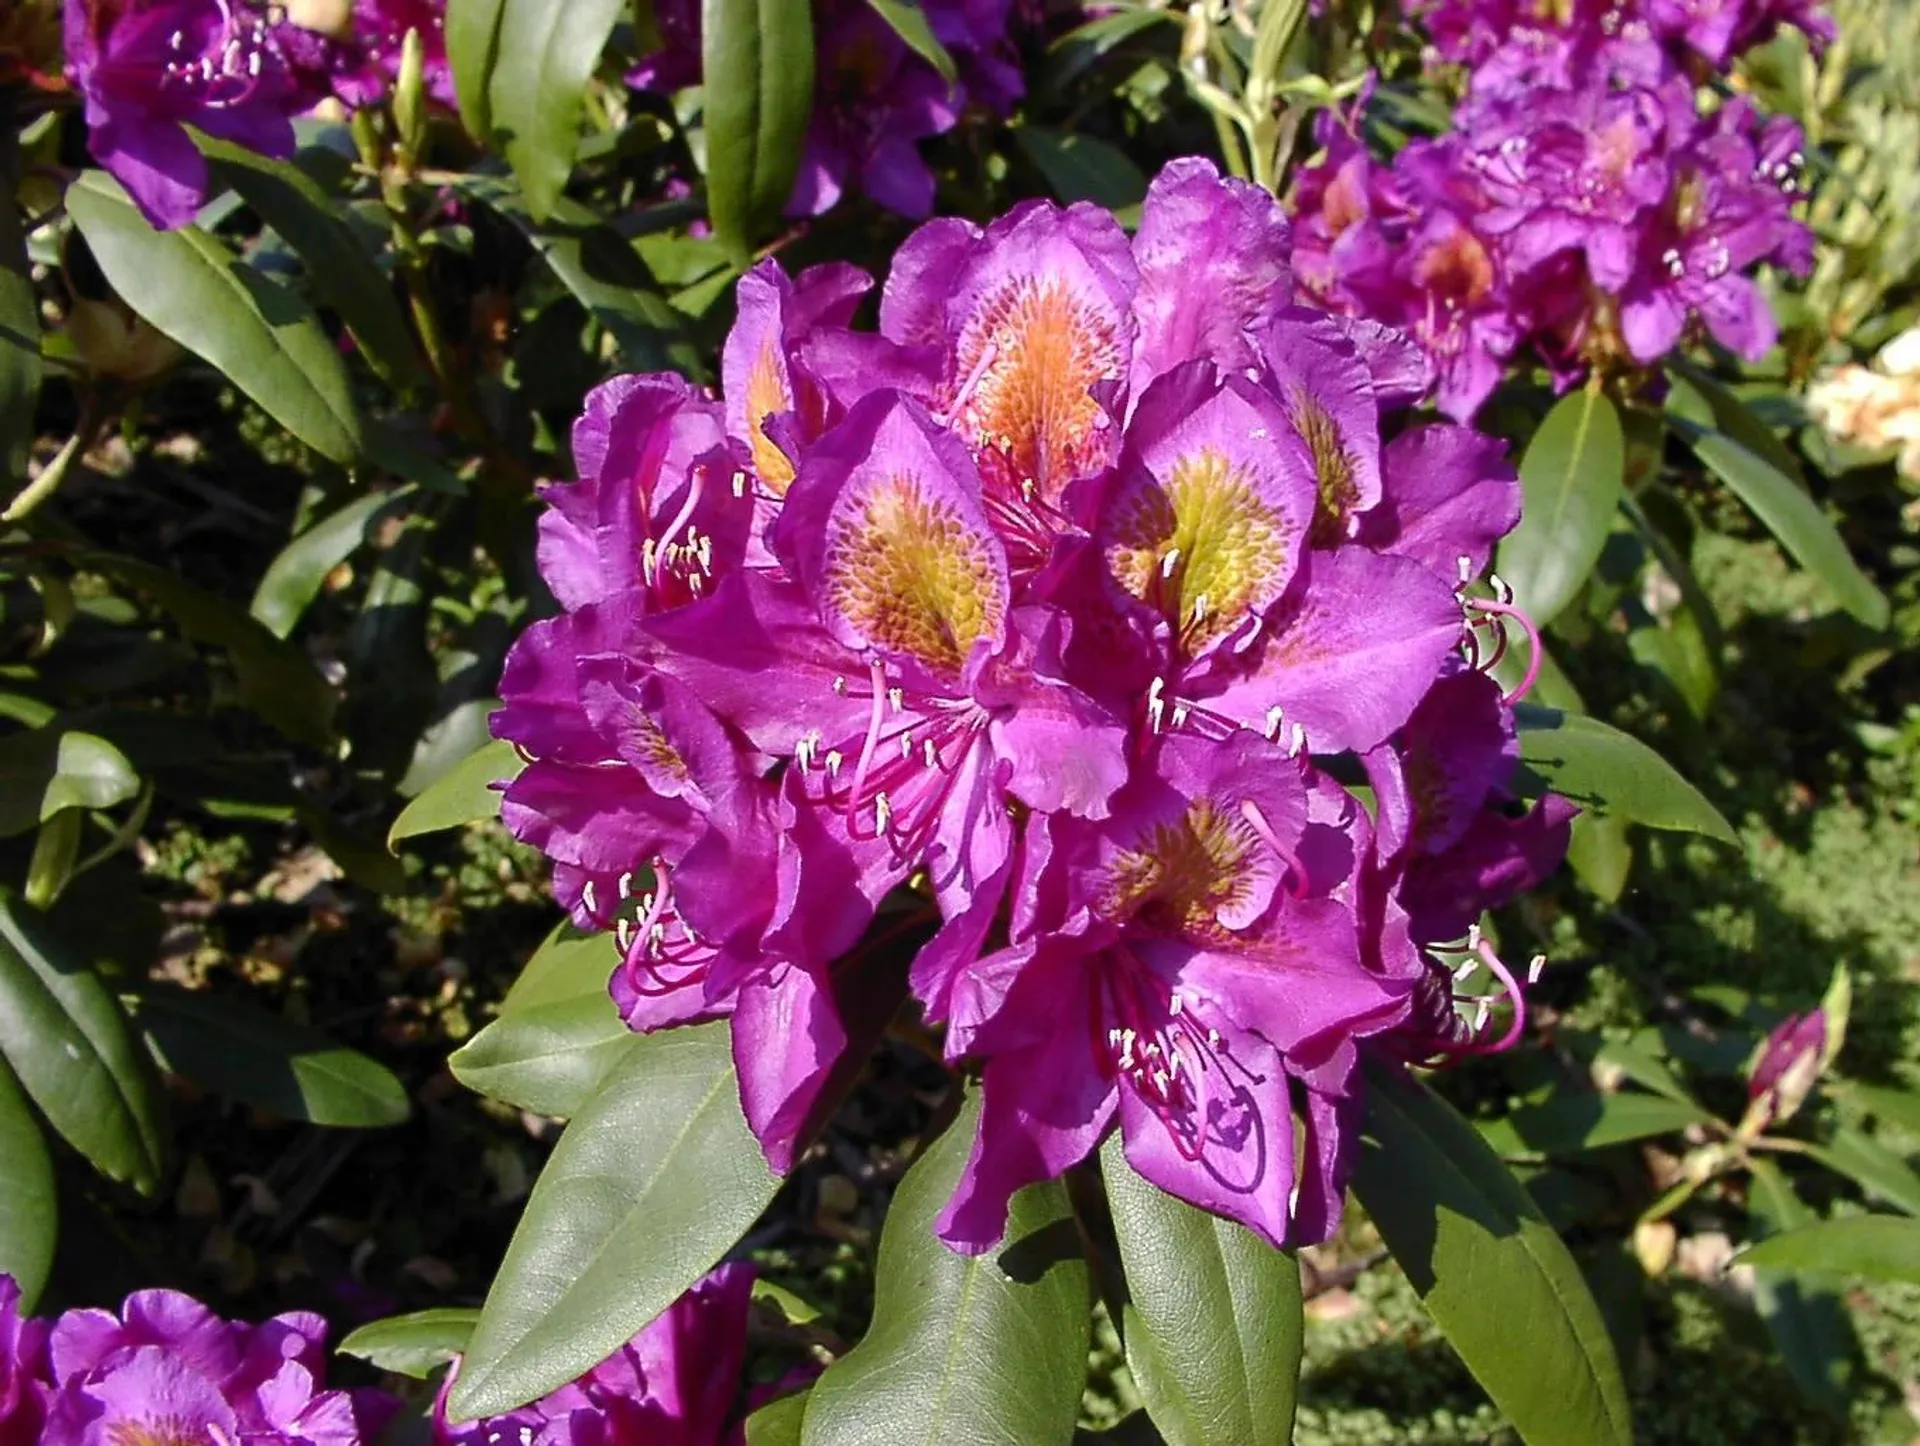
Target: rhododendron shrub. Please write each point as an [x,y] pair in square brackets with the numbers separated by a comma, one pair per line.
[1004,611]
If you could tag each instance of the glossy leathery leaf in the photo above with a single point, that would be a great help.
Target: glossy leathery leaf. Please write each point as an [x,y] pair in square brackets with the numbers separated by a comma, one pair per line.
[1613,773]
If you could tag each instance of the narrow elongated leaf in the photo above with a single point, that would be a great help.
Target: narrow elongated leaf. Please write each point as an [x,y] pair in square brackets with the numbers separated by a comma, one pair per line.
[1870,1164]
[64,1034]
[1639,1060]
[1808,1320]
[277,680]
[1698,398]
[651,1184]
[1878,1247]
[19,323]
[343,274]
[964,1350]
[909,22]
[757,64]
[45,770]
[413,1345]
[1792,516]
[1573,476]
[464,794]
[544,54]
[1213,1327]
[29,1209]
[551,1058]
[1610,772]
[254,1056]
[1895,1106]
[1571,1123]
[1083,168]
[299,570]
[473,43]
[1489,1268]
[261,336]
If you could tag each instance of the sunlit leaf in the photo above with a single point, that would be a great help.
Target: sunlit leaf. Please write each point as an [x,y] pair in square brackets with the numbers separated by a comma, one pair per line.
[1488,1267]
[1573,476]
[757,66]
[29,1209]
[1610,772]
[412,1345]
[1876,1247]
[464,794]
[652,1182]
[548,1058]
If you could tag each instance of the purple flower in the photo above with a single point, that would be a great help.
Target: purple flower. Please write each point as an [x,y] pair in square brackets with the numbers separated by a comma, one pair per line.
[1143,989]
[150,68]
[676,1383]
[166,1369]
[24,1383]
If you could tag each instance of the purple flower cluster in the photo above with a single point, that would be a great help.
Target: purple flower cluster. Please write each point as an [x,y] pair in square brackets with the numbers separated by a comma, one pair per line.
[1582,204]
[166,1371]
[676,1383]
[875,98]
[1038,624]
[240,70]
[148,69]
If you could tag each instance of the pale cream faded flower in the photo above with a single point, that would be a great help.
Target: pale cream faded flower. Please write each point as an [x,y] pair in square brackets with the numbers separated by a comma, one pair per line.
[1876,406]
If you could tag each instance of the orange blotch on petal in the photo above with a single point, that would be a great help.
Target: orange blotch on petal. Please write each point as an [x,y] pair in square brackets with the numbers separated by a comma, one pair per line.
[1033,400]
[768,395]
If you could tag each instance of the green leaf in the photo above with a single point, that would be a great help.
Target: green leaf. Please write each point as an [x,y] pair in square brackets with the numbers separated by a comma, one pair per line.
[1878,1247]
[1601,854]
[1610,772]
[45,770]
[549,1058]
[1807,1320]
[1791,515]
[608,277]
[19,323]
[1568,1124]
[344,275]
[650,1185]
[72,1048]
[964,1350]
[473,43]
[778,1423]
[1636,1058]
[909,22]
[1894,1106]
[413,1345]
[298,571]
[1696,397]
[1573,476]
[1083,168]
[544,53]
[29,1206]
[757,65]
[1871,1165]
[463,794]
[252,1055]
[1495,1277]
[261,336]
[1213,1328]
[568,965]
[277,680]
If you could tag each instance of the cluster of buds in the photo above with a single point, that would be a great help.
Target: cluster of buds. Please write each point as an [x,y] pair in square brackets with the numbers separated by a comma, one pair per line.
[1052,627]
[1584,203]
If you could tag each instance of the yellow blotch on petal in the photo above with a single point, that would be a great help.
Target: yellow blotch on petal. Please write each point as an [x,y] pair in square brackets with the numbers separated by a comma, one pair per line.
[767,395]
[165,1431]
[1331,466]
[1033,399]
[1182,875]
[914,577]
[1204,547]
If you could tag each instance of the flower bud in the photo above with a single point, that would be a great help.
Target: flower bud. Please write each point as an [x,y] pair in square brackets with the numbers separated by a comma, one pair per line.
[409,95]
[1653,1246]
[1795,1055]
